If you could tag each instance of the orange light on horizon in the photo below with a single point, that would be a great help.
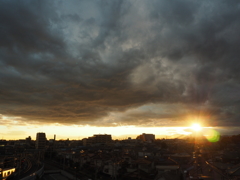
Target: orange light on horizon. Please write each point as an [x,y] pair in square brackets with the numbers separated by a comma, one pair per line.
[196,127]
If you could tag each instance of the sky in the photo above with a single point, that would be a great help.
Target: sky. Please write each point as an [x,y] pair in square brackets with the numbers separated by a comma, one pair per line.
[77,68]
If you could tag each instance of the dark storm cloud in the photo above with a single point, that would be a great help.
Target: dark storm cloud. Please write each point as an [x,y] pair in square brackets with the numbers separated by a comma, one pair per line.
[105,63]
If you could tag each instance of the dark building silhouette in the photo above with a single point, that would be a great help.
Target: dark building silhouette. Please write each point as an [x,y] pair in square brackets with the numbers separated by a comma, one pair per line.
[41,140]
[28,140]
[147,137]
[97,138]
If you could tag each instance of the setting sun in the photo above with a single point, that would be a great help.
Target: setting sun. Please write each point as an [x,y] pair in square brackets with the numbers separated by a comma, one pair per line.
[196,127]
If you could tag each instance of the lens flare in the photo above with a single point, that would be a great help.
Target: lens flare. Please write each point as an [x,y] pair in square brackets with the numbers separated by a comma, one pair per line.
[213,135]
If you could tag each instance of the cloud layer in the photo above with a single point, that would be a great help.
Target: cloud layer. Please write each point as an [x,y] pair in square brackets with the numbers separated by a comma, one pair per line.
[110,63]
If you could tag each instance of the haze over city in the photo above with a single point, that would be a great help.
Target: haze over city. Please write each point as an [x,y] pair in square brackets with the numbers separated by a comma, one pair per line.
[78,68]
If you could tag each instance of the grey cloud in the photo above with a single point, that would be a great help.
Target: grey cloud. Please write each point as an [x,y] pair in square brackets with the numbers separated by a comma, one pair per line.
[78,62]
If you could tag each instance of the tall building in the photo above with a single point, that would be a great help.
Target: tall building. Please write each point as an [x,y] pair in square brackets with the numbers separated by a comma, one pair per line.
[41,140]
[97,138]
[102,138]
[147,137]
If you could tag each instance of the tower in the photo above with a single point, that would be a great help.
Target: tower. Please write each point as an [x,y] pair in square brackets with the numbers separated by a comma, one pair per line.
[40,140]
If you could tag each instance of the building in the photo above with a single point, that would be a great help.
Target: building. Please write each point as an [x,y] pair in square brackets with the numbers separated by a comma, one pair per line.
[97,139]
[28,140]
[102,138]
[6,150]
[5,173]
[41,140]
[147,137]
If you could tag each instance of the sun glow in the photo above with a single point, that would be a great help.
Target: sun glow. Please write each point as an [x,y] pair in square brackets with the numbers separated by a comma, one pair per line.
[196,127]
